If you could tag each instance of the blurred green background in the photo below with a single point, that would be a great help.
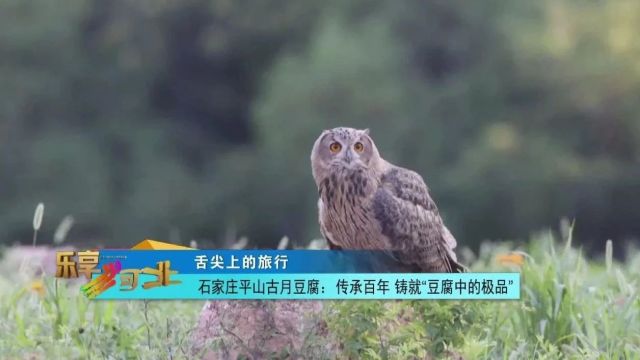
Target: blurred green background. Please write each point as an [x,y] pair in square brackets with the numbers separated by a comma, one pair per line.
[180,120]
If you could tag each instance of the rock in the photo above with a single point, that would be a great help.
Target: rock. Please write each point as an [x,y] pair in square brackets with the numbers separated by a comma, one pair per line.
[255,329]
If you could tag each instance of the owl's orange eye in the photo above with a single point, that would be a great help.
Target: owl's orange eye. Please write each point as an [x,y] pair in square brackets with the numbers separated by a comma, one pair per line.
[335,147]
[358,147]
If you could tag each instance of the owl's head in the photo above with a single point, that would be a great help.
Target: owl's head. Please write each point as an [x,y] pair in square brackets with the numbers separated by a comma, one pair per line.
[343,148]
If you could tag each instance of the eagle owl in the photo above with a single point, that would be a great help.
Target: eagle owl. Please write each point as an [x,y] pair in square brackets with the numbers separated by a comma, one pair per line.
[368,203]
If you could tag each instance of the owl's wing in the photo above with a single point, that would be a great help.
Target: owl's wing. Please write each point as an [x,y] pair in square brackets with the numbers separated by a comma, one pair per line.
[410,219]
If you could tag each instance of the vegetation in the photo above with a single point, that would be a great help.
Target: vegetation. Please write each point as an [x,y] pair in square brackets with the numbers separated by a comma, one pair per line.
[192,119]
[570,308]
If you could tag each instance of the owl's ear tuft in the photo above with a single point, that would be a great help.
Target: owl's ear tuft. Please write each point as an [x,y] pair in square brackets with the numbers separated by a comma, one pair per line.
[323,135]
[365,131]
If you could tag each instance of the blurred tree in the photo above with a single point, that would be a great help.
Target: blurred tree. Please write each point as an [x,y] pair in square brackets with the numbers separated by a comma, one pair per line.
[147,97]
[140,118]
[511,127]
[215,54]
[373,71]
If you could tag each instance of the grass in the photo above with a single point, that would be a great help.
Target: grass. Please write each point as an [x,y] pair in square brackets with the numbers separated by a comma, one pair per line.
[571,308]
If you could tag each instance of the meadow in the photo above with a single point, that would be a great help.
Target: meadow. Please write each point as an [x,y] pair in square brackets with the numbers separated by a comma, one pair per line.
[571,307]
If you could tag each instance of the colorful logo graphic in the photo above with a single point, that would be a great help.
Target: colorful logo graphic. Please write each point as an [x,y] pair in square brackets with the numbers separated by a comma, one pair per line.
[106,280]
[71,264]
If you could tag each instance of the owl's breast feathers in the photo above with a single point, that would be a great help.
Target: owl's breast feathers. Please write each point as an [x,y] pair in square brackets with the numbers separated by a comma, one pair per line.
[391,211]
[345,212]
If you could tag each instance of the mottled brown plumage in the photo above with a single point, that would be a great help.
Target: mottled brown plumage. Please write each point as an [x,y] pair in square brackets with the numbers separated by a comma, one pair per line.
[368,203]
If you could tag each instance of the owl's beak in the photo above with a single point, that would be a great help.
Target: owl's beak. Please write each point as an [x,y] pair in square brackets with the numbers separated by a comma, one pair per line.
[348,157]
[351,159]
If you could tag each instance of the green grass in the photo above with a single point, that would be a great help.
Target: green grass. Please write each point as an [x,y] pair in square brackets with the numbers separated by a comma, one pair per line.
[571,308]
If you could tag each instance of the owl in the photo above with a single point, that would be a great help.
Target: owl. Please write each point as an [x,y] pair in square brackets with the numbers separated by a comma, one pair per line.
[365,202]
